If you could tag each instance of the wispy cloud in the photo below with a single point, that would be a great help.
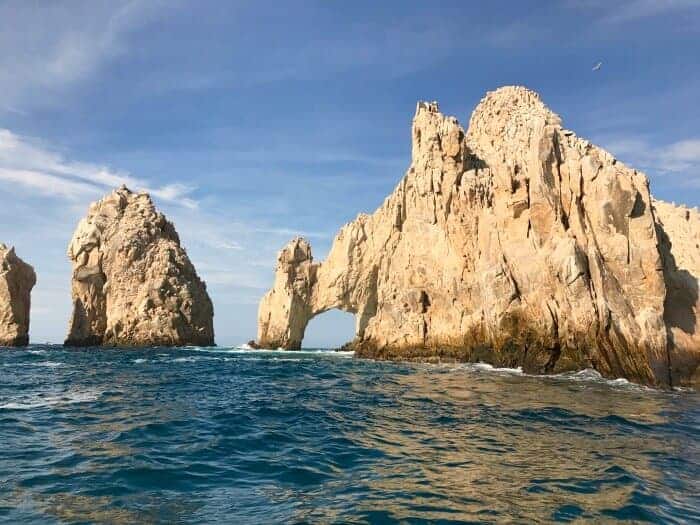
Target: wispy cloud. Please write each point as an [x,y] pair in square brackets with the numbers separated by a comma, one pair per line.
[684,153]
[629,10]
[26,162]
[50,48]
[288,232]
[45,184]
[677,158]
[637,9]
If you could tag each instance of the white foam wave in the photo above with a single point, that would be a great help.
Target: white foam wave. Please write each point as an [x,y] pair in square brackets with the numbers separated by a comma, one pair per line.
[485,367]
[246,350]
[194,358]
[47,400]
[140,361]
[44,364]
[184,360]
[588,375]
[479,368]
[49,364]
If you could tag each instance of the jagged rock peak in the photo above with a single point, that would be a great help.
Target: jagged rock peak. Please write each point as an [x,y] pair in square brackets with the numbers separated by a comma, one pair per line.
[298,250]
[430,107]
[515,243]
[133,284]
[17,279]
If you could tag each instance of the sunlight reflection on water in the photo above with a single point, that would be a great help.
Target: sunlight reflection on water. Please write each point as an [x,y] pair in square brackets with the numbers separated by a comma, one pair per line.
[190,435]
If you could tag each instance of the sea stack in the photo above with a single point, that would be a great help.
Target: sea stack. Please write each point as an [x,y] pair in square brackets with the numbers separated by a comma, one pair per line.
[17,279]
[133,284]
[515,243]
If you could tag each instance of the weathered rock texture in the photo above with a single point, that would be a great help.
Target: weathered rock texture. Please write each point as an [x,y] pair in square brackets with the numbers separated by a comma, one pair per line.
[133,284]
[516,243]
[17,279]
[678,229]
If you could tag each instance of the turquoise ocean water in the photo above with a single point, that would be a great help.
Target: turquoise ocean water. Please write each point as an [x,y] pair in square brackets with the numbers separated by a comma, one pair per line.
[223,435]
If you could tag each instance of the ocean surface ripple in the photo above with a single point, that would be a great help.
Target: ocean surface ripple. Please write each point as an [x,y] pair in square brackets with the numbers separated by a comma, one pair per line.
[224,435]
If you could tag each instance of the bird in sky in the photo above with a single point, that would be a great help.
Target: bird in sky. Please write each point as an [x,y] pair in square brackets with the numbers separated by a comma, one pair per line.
[597,66]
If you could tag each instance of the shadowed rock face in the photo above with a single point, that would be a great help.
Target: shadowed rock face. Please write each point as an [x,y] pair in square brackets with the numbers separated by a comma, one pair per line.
[516,243]
[678,229]
[133,284]
[17,279]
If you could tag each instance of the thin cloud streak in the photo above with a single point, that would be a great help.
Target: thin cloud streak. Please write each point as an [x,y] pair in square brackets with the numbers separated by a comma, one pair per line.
[26,162]
[46,184]
[632,10]
[288,232]
[678,158]
[46,51]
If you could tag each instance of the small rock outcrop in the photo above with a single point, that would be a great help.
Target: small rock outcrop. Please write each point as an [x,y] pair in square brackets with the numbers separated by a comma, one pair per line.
[515,243]
[17,279]
[133,284]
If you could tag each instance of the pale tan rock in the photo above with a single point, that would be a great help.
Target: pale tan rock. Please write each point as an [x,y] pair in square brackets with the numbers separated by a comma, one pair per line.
[516,243]
[678,229]
[133,284]
[17,279]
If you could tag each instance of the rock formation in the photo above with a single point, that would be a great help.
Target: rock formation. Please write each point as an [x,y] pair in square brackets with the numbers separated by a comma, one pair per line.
[516,243]
[17,279]
[133,284]
[678,230]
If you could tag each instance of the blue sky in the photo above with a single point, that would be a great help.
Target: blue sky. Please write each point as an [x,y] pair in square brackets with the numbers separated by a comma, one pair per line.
[252,122]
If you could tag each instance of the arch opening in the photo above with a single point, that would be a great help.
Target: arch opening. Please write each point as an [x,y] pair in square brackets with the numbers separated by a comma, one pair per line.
[330,329]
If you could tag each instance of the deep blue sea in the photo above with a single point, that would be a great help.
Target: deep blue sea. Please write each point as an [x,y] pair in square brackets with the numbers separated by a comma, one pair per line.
[236,436]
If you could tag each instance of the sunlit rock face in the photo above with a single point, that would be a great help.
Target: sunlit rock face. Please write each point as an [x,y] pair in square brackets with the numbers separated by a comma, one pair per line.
[515,243]
[133,284]
[17,279]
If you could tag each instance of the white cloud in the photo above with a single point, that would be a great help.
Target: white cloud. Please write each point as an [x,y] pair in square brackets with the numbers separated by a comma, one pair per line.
[629,10]
[175,193]
[49,48]
[677,158]
[27,162]
[637,9]
[684,151]
[288,232]
[45,184]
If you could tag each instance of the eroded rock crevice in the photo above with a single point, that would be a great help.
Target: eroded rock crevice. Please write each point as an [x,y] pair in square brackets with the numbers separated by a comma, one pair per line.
[534,247]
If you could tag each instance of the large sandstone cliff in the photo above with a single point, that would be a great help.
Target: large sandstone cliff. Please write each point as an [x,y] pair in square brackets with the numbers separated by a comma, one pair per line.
[17,279]
[133,284]
[516,243]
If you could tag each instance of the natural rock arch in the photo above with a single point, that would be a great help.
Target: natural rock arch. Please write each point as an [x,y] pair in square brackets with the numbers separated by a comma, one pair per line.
[515,242]
[303,290]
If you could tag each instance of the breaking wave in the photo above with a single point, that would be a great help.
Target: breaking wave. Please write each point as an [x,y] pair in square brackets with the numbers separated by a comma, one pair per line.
[44,400]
